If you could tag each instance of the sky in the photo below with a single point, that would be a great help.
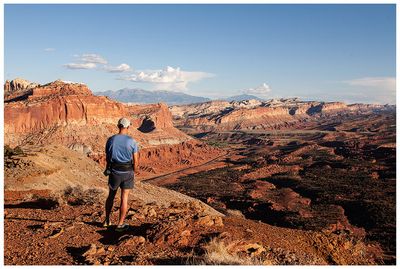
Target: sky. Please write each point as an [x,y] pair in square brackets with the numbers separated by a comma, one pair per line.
[336,52]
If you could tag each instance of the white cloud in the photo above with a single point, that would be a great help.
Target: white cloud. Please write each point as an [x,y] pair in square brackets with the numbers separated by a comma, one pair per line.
[91,58]
[118,69]
[49,49]
[168,79]
[261,91]
[80,65]
[373,89]
[86,61]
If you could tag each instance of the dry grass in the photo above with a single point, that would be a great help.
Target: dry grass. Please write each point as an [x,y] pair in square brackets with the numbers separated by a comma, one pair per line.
[78,195]
[217,252]
[74,196]
[8,151]
[235,213]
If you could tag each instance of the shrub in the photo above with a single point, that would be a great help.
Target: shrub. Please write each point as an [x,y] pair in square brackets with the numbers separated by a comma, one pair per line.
[9,151]
[217,252]
[235,213]
[77,195]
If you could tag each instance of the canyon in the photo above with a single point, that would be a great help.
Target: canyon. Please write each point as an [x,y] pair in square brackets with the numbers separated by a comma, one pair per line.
[274,114]
[304,165]
[251,182]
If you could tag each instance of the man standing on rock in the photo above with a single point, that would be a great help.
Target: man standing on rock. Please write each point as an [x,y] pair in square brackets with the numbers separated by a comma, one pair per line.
[122,162]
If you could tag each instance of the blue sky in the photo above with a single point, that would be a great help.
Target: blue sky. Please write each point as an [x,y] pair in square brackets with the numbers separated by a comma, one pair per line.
[317,52]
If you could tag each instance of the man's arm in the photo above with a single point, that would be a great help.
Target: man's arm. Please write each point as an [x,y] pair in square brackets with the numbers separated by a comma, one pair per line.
[135,161]
[108,161]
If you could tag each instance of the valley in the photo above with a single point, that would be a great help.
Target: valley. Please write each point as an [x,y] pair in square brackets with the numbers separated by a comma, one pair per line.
[340,181]
[279,182]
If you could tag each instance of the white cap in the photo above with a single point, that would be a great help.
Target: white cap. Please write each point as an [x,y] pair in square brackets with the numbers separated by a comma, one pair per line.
[124,122]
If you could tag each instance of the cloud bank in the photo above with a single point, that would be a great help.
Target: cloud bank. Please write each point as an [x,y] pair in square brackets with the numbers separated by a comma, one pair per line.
[86,61]
[168,79]
[261,91]
[80,65]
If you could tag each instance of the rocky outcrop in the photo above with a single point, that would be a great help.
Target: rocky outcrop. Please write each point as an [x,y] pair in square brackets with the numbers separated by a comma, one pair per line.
[18,84]
[27,117]
[17,87]
[70,105]
[60,88]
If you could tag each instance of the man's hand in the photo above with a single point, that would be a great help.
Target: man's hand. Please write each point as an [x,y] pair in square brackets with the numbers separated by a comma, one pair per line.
[107,172]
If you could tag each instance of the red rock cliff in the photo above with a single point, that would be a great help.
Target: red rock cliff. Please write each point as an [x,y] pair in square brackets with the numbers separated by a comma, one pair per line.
[69,114]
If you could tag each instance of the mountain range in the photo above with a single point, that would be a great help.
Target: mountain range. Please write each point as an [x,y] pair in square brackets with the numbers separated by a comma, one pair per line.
[127,95]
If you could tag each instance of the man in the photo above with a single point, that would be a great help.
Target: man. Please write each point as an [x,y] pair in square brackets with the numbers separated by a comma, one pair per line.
[122,162]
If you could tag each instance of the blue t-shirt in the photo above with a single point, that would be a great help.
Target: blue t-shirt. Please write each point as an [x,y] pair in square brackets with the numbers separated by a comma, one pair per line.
[119,148]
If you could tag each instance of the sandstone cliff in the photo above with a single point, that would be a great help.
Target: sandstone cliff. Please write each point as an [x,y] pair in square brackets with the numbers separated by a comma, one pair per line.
[69,114]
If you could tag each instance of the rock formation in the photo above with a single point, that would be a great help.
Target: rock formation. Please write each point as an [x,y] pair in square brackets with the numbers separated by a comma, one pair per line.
[69,114]
[17,87]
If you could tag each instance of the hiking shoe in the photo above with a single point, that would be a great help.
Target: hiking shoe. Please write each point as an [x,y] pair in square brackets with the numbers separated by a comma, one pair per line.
[106,224]
[121,228]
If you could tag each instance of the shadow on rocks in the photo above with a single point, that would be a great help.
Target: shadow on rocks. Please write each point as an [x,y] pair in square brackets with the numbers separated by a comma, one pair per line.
[112,237]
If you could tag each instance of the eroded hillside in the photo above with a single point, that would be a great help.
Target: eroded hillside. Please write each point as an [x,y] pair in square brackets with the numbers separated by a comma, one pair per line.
[69,114]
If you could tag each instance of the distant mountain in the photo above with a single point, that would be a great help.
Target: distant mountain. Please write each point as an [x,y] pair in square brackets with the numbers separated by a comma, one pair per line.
[149,97]
[242,97]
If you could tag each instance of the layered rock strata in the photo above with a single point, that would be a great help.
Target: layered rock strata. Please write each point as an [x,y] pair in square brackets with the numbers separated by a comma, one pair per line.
[268,115]
[69,114]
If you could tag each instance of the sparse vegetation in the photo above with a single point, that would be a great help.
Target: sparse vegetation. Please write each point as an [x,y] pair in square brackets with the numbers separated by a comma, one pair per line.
[77,195]
[218,252]
[217,144]
[9,151]
[235,213]
[11,156]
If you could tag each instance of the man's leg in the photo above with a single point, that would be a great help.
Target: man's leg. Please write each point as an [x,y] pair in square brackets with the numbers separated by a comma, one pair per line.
[110,203]
[124,205]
